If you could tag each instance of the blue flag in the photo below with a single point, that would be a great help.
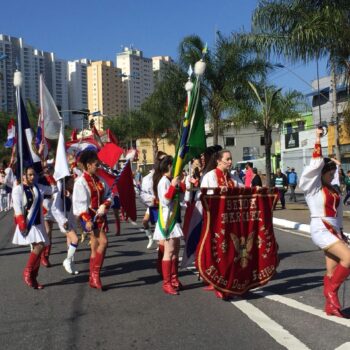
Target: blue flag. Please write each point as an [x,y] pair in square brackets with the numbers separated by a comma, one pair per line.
[29,151]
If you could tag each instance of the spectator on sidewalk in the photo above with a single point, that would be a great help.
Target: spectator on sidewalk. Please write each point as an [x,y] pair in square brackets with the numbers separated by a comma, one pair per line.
[248,175]
[347,184]
[256,181]
[292,183]
[281,183]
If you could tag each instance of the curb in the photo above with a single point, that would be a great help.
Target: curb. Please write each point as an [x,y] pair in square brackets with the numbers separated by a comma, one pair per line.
[292,225]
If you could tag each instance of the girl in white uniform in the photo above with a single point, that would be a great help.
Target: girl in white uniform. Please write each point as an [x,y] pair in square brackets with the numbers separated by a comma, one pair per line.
[326,226]
[91,201]
[66,223]
[165,190]
[30,229]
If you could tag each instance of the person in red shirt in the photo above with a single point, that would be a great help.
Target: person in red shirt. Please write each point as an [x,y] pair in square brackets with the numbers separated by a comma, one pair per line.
[249,174]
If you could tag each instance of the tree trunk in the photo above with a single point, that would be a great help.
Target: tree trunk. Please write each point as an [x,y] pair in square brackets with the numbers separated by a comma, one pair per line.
[268,144]
[335,112]
[216,129]
[154,148]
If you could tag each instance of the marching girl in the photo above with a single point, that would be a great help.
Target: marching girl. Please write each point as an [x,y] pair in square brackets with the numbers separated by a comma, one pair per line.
[326,210]
[90,203]
[48,180]
[165,189]
[220,177]
[30,229]
[66,223]
[148,198]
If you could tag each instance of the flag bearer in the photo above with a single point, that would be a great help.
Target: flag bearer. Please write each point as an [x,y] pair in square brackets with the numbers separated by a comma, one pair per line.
[90,203]
[30,229]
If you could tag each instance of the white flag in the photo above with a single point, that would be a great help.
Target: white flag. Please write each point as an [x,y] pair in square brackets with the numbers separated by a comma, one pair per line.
[61,165]
[49,112]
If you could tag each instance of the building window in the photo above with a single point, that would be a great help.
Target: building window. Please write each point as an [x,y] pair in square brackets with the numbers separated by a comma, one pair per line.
[301,125]
[289,128]
[230,141]
[262,141]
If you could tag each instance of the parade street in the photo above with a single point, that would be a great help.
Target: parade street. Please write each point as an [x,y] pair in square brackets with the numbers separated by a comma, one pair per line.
[134,313]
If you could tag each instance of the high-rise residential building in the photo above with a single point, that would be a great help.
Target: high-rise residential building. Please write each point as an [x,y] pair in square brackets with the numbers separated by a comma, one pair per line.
[105,90]
[31,62]
[78,91]
[137,76]
[159,64]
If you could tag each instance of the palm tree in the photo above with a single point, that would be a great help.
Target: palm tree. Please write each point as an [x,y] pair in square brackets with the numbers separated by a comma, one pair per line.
[229,66]
[305,30]
[271,108]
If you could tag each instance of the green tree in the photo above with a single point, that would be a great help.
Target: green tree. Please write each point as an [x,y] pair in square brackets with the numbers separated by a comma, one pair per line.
[230,65]
[270,108]
[305,30]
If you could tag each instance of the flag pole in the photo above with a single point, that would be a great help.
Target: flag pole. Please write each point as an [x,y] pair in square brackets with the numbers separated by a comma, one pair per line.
[17,82]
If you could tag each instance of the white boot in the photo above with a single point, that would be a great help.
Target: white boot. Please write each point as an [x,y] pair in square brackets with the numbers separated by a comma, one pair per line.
[150,239]
[74,270]
[67,264]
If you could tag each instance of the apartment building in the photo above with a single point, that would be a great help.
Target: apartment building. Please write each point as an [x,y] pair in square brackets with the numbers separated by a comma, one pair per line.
[137,75]
[77,91]
[105,90]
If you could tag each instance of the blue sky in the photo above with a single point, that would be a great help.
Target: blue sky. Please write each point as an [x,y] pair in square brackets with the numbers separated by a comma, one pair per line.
[99,29]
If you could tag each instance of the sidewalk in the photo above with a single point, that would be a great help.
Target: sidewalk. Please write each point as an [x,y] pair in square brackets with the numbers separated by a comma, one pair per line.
[297,216]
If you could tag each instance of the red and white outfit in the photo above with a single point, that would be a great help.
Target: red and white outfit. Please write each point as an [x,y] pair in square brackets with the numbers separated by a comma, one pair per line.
[326,207]
[89,194]
[24,204]
[217,178]
[166,193]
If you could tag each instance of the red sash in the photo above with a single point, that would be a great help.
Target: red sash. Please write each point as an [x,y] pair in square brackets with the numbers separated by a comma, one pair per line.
[224,179]
[237,250]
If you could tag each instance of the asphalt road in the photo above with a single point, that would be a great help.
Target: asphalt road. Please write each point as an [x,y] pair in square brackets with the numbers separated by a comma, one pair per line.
[134,313]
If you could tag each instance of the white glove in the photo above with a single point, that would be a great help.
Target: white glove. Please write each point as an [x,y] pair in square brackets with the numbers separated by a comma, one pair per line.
[101,209]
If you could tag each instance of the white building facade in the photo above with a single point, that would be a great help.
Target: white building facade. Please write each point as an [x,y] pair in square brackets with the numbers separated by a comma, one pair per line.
[137,73]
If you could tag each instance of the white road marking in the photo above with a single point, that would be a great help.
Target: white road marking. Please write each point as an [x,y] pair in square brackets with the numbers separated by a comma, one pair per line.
[276,331]
[302,307]
[345,346]
[294,232]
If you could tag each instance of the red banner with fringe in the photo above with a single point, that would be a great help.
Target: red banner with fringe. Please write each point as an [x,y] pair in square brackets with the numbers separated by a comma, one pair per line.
[237,250]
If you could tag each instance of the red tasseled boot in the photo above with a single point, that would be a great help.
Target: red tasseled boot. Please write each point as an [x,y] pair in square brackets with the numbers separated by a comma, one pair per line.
[28,270]
[95,281]
[339,276]
[45,256]
[174,275]
[166,269]
[160,258]
[36,284]
[326,288]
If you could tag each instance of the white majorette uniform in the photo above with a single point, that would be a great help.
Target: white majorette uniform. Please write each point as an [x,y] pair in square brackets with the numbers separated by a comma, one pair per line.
[166,193]
[58,210]
[88,194]
[29,203]
[216,178]
[147,196]
[326,207]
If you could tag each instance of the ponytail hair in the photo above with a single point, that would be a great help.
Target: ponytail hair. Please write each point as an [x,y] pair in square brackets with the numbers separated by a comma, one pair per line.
[161,168]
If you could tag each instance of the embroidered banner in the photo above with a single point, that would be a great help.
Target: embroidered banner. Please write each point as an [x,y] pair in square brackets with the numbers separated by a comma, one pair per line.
[237,250]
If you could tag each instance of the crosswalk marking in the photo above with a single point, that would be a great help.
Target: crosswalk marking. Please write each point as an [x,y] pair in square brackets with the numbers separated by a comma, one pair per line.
[302,307]
[275,330]
[345,346]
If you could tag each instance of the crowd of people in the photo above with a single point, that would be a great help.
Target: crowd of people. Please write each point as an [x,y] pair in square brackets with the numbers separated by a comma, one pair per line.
[82,201]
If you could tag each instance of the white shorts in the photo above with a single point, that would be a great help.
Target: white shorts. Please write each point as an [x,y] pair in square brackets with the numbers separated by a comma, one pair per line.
[320,235]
